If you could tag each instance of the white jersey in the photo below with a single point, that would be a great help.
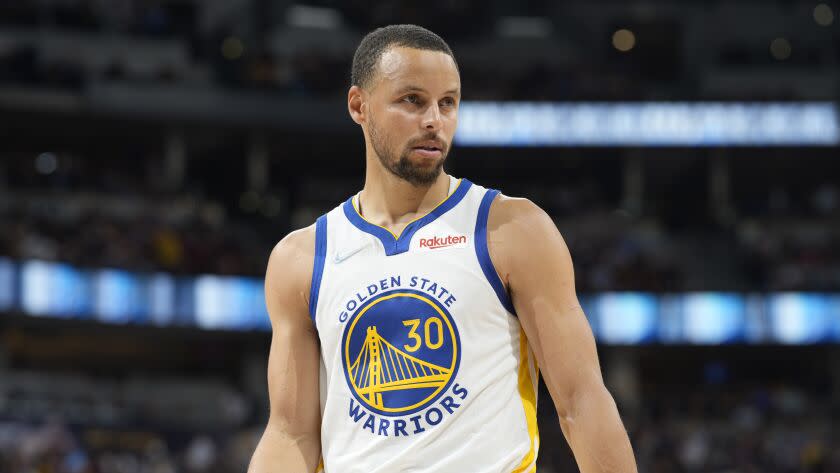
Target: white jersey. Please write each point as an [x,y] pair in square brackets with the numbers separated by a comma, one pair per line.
[425,368]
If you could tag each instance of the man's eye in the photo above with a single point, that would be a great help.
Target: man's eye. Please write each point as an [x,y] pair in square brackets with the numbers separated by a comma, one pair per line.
[411,99]
[448,102]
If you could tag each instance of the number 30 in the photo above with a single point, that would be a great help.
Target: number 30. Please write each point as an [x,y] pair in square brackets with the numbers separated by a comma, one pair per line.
[414,324]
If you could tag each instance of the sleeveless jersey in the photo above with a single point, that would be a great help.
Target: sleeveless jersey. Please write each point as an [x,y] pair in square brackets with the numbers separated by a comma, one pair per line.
[425,368]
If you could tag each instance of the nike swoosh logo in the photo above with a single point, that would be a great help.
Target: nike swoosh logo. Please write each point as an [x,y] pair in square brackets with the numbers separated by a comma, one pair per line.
[341,257]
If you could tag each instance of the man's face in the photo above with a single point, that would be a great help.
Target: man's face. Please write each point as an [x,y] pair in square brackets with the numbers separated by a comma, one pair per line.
[412,112]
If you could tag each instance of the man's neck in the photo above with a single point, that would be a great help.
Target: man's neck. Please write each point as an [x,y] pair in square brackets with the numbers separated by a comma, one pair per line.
[389,201]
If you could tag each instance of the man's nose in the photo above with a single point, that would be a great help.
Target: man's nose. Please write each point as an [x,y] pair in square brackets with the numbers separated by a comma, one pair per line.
[431,119]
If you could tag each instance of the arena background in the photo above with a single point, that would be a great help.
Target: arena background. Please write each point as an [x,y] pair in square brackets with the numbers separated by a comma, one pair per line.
[152,152]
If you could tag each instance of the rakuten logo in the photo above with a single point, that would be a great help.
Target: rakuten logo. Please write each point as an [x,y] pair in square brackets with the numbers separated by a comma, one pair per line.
[442,242]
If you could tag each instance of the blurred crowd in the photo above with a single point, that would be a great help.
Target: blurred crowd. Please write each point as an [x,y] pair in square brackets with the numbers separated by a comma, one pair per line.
[204,45]
[139,17]
[269,47]
[108,214]
[186,234]
[53,447]
[792,254]
[78,423]
[146,242]
[753,429]
[766,430]
[790,243]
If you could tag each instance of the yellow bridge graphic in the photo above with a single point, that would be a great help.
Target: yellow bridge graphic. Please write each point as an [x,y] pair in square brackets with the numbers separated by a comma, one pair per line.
[382,367]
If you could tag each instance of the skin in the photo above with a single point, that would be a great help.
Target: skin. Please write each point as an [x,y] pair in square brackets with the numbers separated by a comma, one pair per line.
[414,97]
[292,438]
[534,263]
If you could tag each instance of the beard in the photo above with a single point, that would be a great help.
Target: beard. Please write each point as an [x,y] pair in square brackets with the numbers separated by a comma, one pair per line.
[402,166]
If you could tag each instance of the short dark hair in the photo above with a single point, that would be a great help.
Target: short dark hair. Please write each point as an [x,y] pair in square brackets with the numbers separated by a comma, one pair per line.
[375,43]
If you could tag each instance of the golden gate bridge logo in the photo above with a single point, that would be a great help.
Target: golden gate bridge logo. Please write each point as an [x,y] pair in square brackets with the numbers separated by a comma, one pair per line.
[412,369]
[382,367]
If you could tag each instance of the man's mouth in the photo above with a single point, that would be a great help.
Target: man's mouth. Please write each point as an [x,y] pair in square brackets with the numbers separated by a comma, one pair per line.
[428,152]
[429,149]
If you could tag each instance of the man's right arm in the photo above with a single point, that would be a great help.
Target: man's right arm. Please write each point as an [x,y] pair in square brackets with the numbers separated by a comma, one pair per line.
[291,441]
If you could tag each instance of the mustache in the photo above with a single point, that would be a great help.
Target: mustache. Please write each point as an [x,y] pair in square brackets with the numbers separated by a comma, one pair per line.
[443,145]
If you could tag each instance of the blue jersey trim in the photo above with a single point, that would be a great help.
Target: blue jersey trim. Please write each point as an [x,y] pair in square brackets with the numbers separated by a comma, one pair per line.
[396,245]
[318,267]
[484,254]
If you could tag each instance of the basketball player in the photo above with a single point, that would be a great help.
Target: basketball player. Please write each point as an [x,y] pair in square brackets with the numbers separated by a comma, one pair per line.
[409,322]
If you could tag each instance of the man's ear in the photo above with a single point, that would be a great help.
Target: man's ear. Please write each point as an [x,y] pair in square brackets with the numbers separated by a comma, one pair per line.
[355,104]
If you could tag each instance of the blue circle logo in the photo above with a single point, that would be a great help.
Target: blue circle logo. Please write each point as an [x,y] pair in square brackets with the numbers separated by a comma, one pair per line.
[401,351]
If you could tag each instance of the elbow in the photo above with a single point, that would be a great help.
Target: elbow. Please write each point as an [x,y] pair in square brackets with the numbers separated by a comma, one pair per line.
[583,401]
[567,407]
[294,423]
[566,414]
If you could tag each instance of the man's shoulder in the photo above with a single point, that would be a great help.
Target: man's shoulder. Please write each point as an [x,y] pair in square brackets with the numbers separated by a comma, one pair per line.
[296,242]
[509,213]
[516,226]
[293,258]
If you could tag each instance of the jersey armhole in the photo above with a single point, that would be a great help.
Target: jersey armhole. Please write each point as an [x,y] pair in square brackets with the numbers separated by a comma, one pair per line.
[483,253]
[318,266]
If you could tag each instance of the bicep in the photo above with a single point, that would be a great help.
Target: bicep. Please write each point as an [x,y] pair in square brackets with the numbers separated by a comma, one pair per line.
[565,350]
[540,277]
[293,362]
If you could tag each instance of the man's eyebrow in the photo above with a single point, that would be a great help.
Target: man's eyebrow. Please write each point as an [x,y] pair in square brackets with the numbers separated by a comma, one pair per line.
[415,88]
[410,88]
[455,92]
